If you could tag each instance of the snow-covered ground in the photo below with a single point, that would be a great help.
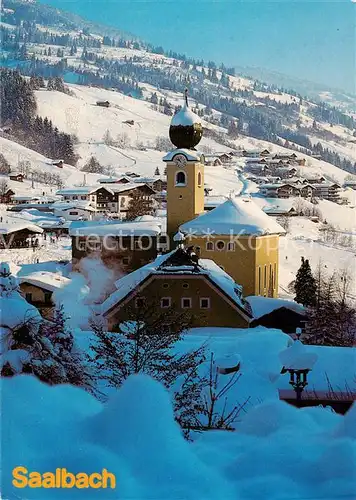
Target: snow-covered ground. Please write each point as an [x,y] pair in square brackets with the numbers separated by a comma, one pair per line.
[278,453]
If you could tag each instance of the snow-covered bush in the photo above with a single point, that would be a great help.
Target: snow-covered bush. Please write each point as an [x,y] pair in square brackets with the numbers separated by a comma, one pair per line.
[30,344]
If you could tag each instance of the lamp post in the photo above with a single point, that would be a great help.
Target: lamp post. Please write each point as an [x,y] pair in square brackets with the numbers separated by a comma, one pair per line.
[298,362]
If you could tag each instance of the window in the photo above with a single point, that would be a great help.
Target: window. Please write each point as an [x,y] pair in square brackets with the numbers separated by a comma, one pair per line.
[186,303]
[165,285]
[29,297]
[122,201]
[259,280]
[220,245]
[185,285]
[265,277]
[139,302]
[205,303]
[199,179]
[231,246]
[75,197]
[138,245]
[83,197]
[47,297]
[165,302]
[73,213]
[180,178]
[210,245]
[125,261]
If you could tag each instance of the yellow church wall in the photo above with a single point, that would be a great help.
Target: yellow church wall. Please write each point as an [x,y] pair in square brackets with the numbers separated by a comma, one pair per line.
[244,259]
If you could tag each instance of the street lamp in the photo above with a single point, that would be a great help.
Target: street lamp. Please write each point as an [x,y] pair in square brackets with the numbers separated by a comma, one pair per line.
[298,362]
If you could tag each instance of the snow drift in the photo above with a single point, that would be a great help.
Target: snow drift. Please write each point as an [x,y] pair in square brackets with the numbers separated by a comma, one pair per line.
[278,451]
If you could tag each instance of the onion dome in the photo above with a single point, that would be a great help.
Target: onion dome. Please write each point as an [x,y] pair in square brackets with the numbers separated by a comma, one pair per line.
[186,129]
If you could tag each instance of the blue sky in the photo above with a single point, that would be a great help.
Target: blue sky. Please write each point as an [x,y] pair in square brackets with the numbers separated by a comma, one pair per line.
[312,40]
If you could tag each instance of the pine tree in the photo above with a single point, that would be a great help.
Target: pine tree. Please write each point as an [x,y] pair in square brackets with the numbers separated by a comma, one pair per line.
[4,165]
[93,166]
[34,345]
[107,138]
[139,205]
[157,171]
[305,286]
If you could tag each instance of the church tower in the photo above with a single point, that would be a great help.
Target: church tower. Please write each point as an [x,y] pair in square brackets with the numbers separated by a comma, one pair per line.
[185,170]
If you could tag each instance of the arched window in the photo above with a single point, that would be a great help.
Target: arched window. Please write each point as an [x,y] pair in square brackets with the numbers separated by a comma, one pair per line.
[231,246]
[180,179]
[199,179]
[210,245]
[220,245]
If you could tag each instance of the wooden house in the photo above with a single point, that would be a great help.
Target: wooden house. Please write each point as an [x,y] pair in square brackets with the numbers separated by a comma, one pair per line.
[38,289]
[6,197]
[125,246]
[104,104]
[18,177]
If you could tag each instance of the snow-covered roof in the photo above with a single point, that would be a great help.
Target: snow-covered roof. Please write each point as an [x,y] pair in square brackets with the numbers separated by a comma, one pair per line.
[185,117]
[76,190]
[238,216]
[119,188]
[205,267]
[214,201]
[188,153]
[79,204]
[18,225]
[115,228]
[45,279]
[265,305]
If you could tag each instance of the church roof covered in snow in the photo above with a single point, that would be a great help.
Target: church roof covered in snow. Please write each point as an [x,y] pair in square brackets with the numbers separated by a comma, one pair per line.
[178,262]
[238,216]
[185,117]
[188,153]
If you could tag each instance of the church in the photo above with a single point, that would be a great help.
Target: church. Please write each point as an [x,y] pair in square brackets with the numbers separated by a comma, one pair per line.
[215,259]
[237,235]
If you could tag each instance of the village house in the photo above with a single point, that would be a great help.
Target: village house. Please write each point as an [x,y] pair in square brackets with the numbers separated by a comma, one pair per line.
[75,193]
[104,104]
[123,246]
[285,156]
[257,168]
[286,190]
[18,234]
[115,198]
[123,179]
[108,198]
[18,177]
[38,289]
[179,282]
[350,184]
[212,160]
[285,172]
[256,153]
[75,210]
[6,197]
[327,191]
[314,180]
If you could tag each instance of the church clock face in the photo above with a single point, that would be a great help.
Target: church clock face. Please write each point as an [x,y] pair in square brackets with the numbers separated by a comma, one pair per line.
[180,160]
